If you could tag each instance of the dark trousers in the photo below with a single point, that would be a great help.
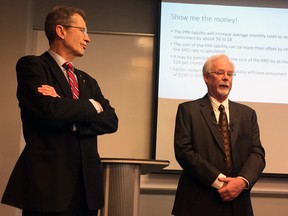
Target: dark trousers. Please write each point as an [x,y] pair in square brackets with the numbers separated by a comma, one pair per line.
[77,206]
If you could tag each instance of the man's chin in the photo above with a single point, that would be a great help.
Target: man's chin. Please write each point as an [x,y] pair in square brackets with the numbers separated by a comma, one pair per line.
[80,54]
[224,94]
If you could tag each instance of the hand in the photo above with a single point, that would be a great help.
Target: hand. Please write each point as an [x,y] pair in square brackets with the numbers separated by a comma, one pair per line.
[47,91]
[231,189]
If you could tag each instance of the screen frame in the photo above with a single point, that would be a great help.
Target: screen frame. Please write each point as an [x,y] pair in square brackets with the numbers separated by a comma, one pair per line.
[269,4]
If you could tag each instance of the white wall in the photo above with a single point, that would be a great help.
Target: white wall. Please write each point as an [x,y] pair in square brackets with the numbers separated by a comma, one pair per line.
[13,22]
[157,194]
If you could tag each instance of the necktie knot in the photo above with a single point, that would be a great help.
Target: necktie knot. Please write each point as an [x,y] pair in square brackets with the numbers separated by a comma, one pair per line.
[68,66]
[221,108]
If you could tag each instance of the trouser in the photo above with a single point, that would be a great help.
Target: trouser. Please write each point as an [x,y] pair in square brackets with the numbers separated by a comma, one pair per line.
[77,206]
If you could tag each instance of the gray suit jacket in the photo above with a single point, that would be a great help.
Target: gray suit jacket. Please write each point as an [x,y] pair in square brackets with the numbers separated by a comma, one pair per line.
[199,151]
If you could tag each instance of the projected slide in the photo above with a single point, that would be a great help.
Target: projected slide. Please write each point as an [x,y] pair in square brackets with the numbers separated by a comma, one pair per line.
[256,39]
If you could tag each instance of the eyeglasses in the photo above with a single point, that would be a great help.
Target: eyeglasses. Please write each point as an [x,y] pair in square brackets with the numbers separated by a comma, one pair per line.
[83,30]
[221,73]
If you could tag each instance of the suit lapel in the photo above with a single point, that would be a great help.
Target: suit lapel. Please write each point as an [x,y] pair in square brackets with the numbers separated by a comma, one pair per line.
[234,122]
[209,116]
[83,93]
[57,72]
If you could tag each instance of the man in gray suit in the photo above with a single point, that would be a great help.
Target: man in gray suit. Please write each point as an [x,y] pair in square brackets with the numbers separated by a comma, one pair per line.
[208,186]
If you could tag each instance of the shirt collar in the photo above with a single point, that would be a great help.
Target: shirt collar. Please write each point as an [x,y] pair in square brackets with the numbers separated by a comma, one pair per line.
[59,59]
[216,104]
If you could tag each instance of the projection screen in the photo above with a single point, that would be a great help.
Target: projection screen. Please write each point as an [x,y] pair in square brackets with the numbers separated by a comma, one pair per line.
[255,37]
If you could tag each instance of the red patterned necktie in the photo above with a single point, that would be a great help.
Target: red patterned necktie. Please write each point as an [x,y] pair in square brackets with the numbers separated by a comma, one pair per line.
[72,80]
[223,123]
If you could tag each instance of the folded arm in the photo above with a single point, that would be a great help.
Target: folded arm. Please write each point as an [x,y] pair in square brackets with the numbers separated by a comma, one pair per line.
[105,122]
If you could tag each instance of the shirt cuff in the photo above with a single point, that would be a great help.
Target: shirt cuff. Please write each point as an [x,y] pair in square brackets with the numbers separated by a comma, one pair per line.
[96,105]
[218,184]
[247,182]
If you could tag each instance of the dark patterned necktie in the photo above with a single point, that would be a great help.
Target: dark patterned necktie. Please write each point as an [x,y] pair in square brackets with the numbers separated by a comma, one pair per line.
[223,126]
[72,80]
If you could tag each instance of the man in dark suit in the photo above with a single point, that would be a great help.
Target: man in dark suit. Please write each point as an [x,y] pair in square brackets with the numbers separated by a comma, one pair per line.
[59,171]
[207,186]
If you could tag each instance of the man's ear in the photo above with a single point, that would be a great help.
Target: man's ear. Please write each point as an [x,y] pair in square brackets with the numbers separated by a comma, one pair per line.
[206,77]
[60,31]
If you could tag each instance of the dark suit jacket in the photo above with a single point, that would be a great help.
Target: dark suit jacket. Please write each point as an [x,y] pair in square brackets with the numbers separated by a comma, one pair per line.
[45,175]
[199,151]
